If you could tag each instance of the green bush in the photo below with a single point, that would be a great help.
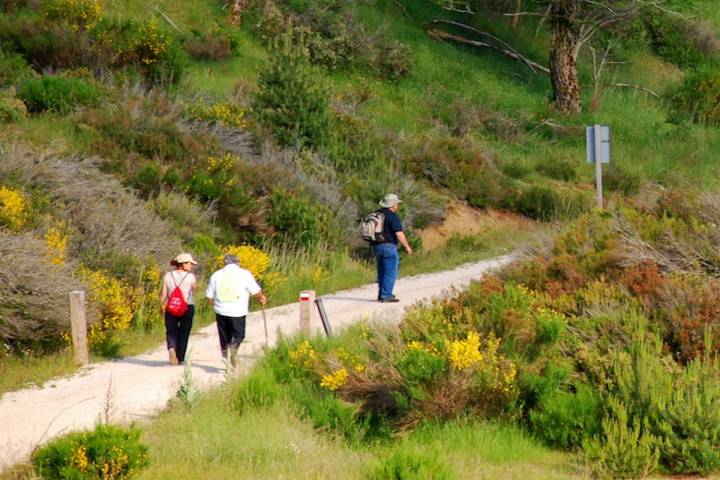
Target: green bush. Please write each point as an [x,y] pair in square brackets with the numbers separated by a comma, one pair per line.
[258,390]
[677,40]
[625,450]
[699,95]
[57,94]
[618,178]
[107,452]
[13,68]
[299,220]
[406,465]
[11,108]
[420,366]
[565,418]
[678,406]
[544,203]
[291,99]
[392,61]
[558,169]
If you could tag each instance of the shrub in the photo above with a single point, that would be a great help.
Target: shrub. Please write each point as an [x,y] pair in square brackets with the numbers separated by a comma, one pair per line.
[392,60]
[625,450]
[558,169]
[618,178]
[291,99]
[258,390]
[409,465]
[546,204]
[676,405]
[699,95]
[57,94]
[33,293]
[13,68]
[13,208]
[565,418]
[12,109]
[78,14]
[227,114]
[209,46]
[683,42]
[107,452]
[299,220]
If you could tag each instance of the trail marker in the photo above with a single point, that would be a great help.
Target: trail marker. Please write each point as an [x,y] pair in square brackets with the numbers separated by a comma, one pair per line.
[598,152]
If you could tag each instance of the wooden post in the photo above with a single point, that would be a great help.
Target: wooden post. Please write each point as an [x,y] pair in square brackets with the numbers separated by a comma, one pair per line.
[598,166]
[78,327]
[307,310]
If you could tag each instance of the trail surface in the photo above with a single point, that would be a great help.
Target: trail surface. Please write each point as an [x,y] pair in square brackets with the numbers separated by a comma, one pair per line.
[139,387]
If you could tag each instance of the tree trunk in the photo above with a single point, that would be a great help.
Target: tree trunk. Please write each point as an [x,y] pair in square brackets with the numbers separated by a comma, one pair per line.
[515,19]
[563,64]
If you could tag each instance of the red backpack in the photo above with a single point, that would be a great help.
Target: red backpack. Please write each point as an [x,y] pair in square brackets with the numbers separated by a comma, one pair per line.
[176,304]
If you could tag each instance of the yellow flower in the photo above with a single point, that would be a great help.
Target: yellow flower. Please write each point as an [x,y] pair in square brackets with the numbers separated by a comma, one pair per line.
[79,458]
[251,258]
[56,243]
[303,355]
[464,353]
[13,208]
[333,381]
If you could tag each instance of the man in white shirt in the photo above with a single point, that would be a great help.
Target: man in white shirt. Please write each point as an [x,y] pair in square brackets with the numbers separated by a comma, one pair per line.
[229,291]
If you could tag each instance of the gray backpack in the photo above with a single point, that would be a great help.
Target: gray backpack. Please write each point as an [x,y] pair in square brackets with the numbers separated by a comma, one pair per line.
[371,227]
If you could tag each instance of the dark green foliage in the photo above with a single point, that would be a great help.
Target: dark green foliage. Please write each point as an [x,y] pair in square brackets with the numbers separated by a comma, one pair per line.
[420,366]
[57,94]
[292,100]
[618,178]
[392,61]
[565,418]
[680,41]
[558,169]
[258,390]
[13,68]
[544,203]
[299,220]
[107,452]
[699,95]
[408,465]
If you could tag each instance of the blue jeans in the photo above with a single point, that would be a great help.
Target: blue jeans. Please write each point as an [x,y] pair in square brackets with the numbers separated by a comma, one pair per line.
[388,262]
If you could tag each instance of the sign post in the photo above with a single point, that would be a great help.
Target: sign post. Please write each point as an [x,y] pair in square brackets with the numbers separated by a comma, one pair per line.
[598,152]
[78,327]
[307,301]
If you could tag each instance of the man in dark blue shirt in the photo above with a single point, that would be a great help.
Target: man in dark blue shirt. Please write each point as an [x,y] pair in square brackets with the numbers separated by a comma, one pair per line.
[386,252]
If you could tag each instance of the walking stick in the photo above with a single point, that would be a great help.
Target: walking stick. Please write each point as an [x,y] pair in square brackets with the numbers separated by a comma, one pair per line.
[265,324]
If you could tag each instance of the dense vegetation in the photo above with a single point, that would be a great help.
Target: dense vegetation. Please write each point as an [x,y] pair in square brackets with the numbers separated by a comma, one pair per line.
[129,137]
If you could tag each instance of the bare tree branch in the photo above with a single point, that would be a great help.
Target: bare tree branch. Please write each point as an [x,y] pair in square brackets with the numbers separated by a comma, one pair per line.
[637,87]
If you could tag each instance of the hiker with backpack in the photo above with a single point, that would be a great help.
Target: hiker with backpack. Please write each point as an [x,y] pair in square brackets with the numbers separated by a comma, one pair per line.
[229,291]
[178,306]
[383,229]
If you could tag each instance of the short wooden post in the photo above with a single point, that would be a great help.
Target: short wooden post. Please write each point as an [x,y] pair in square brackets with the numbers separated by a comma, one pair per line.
[78,327]
[307,310]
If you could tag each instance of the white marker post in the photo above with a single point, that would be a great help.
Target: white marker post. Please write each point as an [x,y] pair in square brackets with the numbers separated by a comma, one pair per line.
[598,152]
[307,302]
[78,327]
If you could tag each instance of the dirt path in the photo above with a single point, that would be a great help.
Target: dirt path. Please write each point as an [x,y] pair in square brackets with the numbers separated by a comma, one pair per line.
[138,387]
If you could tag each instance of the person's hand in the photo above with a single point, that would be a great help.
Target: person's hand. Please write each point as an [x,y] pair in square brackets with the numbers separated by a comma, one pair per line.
[262,299]
[162,310]
[409,250]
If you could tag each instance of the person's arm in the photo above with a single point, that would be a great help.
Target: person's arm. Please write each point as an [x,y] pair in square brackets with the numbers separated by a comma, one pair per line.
[403,241]
[210,290]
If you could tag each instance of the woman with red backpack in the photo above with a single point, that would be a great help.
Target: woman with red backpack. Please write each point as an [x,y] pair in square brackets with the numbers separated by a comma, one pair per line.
[178,305]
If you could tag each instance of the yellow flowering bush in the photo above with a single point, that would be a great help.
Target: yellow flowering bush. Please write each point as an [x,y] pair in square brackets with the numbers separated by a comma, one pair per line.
[251,258]
[333,381]
[13,208]
[78,14]
[303,356]
[56,243]
[115,300]
[464,353]
[224,113]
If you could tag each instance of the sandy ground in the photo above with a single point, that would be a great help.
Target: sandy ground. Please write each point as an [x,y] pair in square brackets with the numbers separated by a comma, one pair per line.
[136,388]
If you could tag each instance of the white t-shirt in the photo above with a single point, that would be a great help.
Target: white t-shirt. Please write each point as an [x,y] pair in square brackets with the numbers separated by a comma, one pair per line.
[230,288]
[174,278]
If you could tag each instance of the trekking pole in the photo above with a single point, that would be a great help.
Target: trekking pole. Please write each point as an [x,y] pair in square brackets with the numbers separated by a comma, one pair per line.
[264,315]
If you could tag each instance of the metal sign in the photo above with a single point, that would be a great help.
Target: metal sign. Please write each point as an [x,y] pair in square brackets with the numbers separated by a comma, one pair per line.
[603,146]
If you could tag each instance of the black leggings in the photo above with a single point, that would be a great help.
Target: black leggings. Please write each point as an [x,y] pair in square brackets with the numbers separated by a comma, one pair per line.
[177,331]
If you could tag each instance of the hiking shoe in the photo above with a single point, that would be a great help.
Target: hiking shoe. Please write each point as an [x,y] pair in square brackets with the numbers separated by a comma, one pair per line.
[389,300]
[173,356]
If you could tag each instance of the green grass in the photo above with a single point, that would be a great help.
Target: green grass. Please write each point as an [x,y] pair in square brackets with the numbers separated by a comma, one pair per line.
[213,440]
